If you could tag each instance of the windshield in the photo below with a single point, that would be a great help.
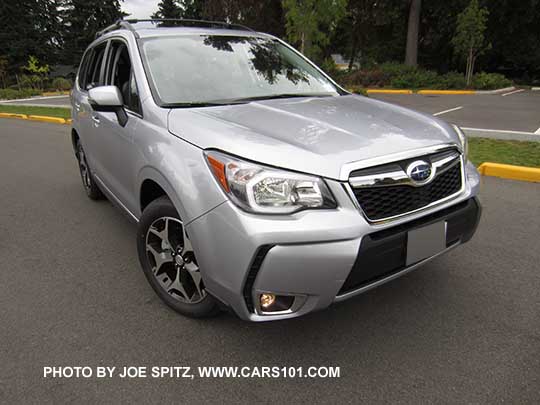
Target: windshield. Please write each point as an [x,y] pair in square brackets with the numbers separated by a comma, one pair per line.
[217,69]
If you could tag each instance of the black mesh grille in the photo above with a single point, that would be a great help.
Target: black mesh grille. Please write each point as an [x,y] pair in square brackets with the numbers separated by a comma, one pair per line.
[385,202]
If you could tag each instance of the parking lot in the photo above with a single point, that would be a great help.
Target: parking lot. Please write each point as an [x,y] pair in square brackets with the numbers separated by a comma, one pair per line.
[514,114]
[465,328]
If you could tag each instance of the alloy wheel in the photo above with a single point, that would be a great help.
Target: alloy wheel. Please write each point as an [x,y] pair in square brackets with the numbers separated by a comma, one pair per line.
[83,167]
[173,261]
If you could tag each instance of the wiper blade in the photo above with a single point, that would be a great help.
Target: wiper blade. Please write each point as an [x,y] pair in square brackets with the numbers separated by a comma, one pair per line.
[193,105]
[244,100]
[276,96]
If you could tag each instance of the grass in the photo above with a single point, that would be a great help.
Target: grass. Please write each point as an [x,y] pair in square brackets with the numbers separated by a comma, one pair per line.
[31,110]
[509,152]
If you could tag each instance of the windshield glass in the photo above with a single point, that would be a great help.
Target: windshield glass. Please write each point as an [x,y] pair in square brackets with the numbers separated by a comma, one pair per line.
[218,69]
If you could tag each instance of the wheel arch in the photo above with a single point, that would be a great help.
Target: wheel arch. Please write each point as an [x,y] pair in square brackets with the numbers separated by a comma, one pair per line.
[154,185]
[74,138]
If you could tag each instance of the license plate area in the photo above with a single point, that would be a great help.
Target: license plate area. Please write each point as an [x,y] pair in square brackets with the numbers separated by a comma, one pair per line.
[425,242]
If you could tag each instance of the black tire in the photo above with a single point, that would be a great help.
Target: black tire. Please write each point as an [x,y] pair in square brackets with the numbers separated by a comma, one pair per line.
[90,186]
[156,212]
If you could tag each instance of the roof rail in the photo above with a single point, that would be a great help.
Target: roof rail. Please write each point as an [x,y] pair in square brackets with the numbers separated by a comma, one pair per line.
[119,24]
[128,24]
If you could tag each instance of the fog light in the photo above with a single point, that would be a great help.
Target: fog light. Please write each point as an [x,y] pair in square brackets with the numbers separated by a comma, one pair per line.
[275,303]
[267,300]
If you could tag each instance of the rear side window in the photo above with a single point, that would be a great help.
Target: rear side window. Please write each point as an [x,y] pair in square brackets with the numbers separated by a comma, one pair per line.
[93,71]
[83,68]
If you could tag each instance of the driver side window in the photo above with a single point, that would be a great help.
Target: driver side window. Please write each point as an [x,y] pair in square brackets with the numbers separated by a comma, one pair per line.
[120,74]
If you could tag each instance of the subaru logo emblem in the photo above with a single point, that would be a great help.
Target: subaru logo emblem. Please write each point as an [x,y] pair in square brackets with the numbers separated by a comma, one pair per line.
[420,172]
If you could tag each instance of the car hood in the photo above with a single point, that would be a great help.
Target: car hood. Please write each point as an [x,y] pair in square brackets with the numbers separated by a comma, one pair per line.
[310,135]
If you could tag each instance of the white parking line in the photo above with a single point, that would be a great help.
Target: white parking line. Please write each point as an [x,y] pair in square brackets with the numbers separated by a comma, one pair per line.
[537,131]
[513,92]
[447,111]
[500,131]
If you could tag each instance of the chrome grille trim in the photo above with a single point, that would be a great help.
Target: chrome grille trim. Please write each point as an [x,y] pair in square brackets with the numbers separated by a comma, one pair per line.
[397,176]
[443,165]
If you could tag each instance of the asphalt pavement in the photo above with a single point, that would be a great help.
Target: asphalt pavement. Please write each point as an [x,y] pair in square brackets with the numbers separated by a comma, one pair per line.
[511,115]
[464,328]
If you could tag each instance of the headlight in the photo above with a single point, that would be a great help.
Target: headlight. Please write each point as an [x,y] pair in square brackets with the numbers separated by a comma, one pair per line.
[265,190]
[463,139]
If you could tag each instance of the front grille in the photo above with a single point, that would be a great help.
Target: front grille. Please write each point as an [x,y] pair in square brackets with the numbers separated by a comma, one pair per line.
[389,201]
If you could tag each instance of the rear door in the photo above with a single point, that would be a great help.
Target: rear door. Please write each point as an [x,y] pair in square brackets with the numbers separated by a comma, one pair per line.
[91,74]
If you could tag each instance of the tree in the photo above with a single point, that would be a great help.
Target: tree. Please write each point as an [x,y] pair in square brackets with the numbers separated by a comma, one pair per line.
[411,54]
[3,70]
[309,23]
[192,9]
[28,27]
[168,9]
[261,15]
[469,41]
[369,23]
[38,72]
[82,19]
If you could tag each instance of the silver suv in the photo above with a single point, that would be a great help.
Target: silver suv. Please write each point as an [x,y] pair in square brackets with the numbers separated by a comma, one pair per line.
[259,184]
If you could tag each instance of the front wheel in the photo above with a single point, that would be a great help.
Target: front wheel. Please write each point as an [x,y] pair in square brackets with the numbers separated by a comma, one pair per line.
[169,262]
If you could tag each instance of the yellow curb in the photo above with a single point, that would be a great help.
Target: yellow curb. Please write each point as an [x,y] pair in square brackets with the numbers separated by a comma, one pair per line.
[13,115]
[388,91]
[441,92]
[44,118]
[510,172]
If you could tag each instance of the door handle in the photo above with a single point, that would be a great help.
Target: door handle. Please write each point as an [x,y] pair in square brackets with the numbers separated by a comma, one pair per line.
[95,118]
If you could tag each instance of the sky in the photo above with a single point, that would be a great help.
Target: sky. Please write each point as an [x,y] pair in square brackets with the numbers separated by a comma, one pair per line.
[139,8]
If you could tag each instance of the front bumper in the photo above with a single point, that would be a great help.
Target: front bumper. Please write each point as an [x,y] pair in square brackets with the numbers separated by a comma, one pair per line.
[319,256]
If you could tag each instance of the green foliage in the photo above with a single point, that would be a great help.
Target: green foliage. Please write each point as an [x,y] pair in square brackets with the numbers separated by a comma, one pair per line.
[29,27]
[401,76]
[418,79]
[12,94]
[490,81]
[168,9]
[453,81]
[61,84]
[82,19]
[33,66]
[309,23]
[469,41]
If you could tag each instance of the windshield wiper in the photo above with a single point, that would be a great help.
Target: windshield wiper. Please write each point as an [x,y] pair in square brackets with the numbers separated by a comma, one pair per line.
[276,96]
[244,100]
[194,105]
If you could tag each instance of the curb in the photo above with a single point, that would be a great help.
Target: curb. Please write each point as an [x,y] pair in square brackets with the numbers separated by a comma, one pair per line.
[40,118]
[388,91]
[498,91]
[446,92]
[511,172]
[439,92]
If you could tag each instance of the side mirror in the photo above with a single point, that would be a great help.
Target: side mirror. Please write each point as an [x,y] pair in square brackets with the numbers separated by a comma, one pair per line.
[108,99]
